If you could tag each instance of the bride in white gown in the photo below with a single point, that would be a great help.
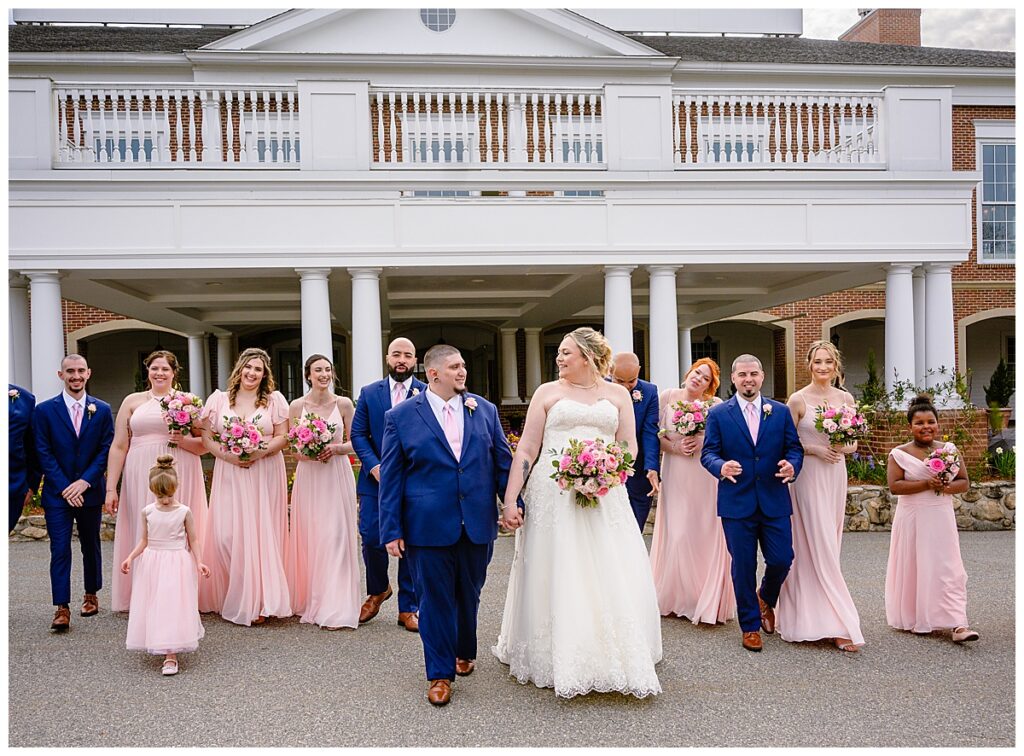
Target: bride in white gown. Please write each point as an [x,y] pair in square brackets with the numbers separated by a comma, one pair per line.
[581,613]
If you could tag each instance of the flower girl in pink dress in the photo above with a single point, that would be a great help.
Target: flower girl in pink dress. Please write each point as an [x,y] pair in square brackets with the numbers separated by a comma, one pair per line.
[163,617]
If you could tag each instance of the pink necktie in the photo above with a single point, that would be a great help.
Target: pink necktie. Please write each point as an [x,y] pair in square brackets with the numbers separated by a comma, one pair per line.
[752,421]
[451,431]
[398,394]
[76,418]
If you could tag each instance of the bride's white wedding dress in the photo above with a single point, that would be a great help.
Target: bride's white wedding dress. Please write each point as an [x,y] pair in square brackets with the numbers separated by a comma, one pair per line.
[581,613]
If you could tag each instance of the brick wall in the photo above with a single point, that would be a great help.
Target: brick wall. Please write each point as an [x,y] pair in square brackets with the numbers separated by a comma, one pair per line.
[77,315]
[888,26]
[887,433]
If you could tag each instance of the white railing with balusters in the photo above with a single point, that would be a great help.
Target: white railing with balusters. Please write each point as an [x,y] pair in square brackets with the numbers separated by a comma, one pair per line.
[777,129]
[482,127]
[176,126]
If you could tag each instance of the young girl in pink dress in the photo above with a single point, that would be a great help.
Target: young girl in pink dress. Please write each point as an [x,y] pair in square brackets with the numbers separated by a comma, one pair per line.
[322,561]
[248,519]
[925,581]
[689,558]
[814,602]
[164,613]
[140,436]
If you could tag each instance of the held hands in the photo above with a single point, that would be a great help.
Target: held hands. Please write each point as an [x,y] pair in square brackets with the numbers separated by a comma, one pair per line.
[396,548]
[175,437]
[731,469]
[828,453]
[786,471]
[74,494]
[511,517]
[688,445]
[652,477]
[326,454]
[935,483]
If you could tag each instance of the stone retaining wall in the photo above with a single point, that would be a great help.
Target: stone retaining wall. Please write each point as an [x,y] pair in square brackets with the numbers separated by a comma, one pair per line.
[986,506]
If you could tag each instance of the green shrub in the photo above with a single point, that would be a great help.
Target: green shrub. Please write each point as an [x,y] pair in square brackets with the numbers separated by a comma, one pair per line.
[1000,387]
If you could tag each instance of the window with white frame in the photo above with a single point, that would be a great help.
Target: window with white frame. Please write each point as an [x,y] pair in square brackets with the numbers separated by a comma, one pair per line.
[997,193]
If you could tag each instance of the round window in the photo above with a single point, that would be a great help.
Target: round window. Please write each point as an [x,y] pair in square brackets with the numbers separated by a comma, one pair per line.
[438,19]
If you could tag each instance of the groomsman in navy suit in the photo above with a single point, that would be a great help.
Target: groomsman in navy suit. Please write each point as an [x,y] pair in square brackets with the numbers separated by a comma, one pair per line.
[22,464]
[644,483]
[367,434]
[445,465]
[751,446]
[73,431]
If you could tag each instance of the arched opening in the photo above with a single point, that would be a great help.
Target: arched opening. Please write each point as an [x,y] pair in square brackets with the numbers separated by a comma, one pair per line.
[116,354]
[987,341]
[856,339]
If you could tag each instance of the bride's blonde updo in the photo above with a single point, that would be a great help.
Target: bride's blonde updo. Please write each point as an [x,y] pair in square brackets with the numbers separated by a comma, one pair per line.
[594,347]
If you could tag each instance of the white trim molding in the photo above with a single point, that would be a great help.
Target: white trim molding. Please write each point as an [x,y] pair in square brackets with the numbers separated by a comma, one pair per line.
[111,326]
[961,330]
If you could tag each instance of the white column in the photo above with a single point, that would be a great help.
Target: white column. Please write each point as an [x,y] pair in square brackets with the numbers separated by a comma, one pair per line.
[225,359]
[509,367]
[685,352]
[920,325]
[533,357]
[20,349]
[366,328]
[618,307]
[316,312]
[207,373]
[664,327]
[939,345]
[197,364]
[47,332]
[899,325]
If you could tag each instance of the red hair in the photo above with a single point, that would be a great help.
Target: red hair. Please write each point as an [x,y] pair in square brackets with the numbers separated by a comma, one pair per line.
[716,380]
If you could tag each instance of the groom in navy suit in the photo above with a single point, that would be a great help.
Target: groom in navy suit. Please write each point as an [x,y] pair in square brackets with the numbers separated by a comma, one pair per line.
[445,465]
[367,433]
[751,446]
[73,432]
[626,372]
[22,464]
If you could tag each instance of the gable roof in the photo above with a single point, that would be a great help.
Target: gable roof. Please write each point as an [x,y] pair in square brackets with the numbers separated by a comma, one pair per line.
[822,51]
[36,38]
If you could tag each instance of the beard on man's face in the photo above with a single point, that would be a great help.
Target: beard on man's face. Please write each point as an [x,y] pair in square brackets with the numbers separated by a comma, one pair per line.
[399,372]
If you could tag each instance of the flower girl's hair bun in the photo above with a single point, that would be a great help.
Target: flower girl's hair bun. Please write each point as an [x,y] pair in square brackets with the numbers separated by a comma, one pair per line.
[920,403]
[163,479]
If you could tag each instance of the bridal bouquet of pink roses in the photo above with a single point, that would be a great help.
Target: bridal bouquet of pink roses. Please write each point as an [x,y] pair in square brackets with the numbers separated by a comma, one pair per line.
[944,461]
[180,410]
[590,468]
[686,418]
[240,437]
[310,435]
[842,424]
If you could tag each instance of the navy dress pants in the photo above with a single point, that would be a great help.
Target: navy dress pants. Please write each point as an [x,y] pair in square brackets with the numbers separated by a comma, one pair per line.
[742,536]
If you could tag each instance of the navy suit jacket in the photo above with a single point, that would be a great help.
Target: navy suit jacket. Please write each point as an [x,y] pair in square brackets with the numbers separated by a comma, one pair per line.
[648,450]
[23,472]
[65,457]
[726,437]
[367,430]
[426,495]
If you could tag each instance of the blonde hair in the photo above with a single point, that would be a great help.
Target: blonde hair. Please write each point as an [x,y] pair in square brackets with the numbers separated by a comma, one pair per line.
[594,347]
[716,379]
[163,479]
[267,384]
[828,346]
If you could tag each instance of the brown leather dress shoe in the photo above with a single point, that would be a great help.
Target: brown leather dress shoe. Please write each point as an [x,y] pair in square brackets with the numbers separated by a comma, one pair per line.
[372,605]
[440,692]
[61,619]
[767,616]
[90,605]
[410,621]
[464,667]
[752,641]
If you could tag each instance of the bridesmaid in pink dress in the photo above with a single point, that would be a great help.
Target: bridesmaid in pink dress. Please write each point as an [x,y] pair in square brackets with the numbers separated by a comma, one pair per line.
[244,544]
[689,558]
[814,602]
[925,581]
[140,436]
[322,561]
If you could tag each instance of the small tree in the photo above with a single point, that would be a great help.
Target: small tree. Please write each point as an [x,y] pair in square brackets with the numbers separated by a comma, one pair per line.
[1000,389]
[872,391]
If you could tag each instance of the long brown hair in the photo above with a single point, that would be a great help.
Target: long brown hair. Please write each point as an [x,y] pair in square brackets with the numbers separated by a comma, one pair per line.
[267,385]
[172,361]
[828,346]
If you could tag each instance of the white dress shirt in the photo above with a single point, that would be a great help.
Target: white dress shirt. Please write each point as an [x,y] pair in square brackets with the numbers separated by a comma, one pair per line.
[70,401]
[404,384]
[743,405]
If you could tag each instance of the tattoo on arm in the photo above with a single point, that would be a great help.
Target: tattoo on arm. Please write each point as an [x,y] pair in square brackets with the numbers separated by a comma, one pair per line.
[526,471]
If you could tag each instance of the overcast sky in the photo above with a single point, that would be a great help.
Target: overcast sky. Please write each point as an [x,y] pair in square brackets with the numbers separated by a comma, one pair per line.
[984,28]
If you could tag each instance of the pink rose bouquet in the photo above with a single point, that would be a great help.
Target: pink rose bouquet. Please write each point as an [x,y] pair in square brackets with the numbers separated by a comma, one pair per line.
[239,437]
[180,410]
[842,425]
[310,435]
[944,461]
[686,418]
[590,468]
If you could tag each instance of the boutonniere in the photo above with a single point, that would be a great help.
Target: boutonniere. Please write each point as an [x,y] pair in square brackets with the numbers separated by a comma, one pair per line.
[470,404]
[766,409]
[638,395]
[415,391]
[91,410]
[13,394]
